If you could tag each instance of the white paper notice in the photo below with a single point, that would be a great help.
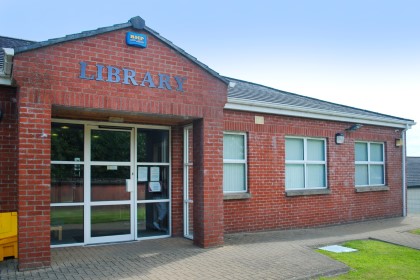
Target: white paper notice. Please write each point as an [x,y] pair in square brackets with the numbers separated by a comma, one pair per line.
[154,174]
[154,187]
[143,174]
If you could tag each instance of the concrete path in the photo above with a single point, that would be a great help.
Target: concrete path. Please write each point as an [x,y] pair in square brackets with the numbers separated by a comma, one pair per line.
[284,254]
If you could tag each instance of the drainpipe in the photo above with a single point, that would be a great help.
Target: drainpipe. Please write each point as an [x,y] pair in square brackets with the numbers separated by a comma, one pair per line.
[404,187]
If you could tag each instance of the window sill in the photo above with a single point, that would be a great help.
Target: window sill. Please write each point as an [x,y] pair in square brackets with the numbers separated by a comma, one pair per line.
[307,192]
[232,196]
[372,189]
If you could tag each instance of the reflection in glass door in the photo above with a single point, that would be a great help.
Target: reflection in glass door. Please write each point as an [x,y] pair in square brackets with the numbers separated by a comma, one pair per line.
[111,186]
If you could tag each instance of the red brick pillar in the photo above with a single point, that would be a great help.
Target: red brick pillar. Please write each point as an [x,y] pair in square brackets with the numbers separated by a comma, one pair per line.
[208,183]
[34,115]
[177,193]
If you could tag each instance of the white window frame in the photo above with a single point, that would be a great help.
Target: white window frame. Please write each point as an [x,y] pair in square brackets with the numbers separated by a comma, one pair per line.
[306,162]
[369,162]
[243,161]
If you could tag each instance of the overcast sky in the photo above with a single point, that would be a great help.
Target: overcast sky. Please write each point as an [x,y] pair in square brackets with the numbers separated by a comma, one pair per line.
[361,53]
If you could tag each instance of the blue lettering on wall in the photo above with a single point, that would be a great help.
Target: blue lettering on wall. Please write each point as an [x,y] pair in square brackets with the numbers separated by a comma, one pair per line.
[164,81]
[148,79]
[128,77]
[83,71]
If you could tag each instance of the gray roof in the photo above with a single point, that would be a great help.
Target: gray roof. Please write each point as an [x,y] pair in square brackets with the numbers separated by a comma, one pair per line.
[413,171]
[7,42]
[255,94]
[136,23]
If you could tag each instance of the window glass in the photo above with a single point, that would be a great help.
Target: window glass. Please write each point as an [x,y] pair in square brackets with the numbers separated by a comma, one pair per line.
[295,174]
[316,150]
[66,225]
[67,183]
[376,152]
[234,162]
[109,220]
[110,145]
[234,177]
[362,178]
[294,149]
[316,175]
[152,182]
[305,163]
[152,145]
[108,182]
[377,175]
[67,142]
[233,146]
[152,219]
[370,164]
[361,152]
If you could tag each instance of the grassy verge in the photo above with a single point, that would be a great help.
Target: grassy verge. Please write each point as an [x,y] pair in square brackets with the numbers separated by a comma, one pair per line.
[415,231]
[378,260]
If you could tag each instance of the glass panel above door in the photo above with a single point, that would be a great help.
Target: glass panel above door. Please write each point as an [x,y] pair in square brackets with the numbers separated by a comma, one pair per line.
[67,142]
[110,145]
[152,145]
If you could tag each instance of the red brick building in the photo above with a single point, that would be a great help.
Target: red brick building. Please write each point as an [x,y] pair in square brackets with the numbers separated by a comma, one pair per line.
[116,134]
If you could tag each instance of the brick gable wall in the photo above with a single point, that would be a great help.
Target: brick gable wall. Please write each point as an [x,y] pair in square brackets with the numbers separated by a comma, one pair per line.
[49,80]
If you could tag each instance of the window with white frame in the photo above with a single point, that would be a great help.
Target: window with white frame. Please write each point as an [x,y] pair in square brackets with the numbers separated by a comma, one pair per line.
[234,162]
[369,164]
[306,166]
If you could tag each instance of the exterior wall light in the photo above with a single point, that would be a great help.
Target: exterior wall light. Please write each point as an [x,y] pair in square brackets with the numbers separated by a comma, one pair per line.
[339,138]
[398,142]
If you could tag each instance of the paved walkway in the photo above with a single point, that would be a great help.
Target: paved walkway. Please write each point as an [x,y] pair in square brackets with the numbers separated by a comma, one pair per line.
[284,254]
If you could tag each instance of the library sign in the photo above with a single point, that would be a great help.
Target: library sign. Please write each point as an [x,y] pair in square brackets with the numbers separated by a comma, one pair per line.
[112,74]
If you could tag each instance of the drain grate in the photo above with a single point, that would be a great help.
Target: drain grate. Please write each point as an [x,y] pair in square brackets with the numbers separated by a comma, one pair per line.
[337,249]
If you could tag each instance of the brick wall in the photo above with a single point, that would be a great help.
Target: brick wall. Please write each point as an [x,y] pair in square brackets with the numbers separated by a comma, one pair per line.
[8,150]
[269,208]
[50,86]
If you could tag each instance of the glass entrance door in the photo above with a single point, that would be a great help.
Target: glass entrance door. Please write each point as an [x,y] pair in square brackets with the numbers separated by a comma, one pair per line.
[153,183]
[110,181]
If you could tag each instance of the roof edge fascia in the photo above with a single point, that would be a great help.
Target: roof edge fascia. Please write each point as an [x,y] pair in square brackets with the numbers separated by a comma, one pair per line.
[296,111]
[72,37]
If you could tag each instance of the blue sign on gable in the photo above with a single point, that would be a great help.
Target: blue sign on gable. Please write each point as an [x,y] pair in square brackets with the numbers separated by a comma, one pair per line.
[136,39]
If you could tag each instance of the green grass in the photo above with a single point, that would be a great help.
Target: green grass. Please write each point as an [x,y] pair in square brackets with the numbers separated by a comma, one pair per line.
[378,260]
[415,231]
